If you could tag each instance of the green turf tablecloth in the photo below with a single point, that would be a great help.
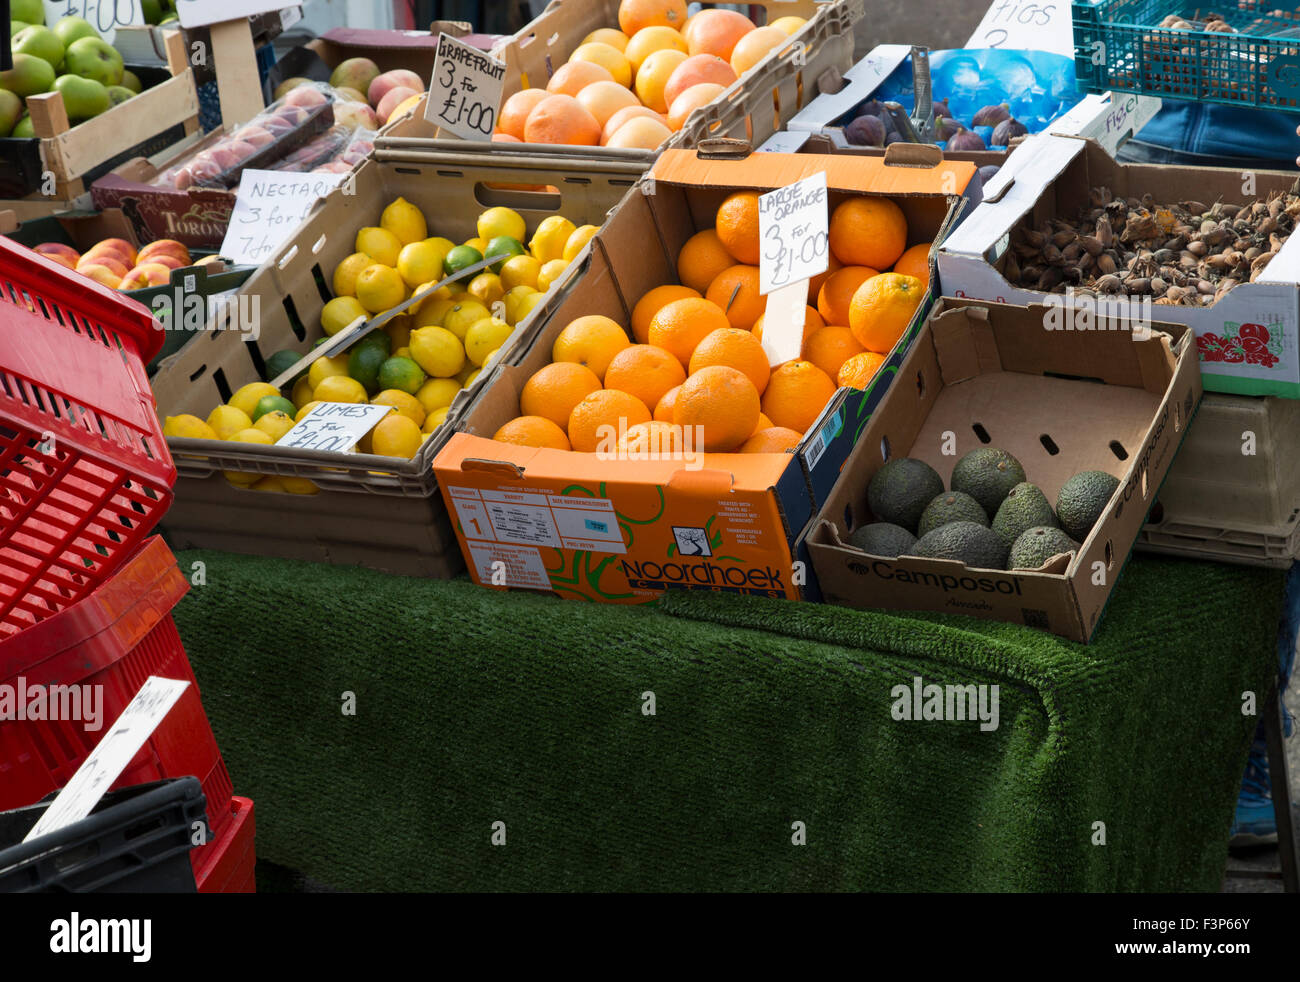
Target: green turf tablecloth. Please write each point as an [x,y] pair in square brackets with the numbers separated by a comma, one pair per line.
[475,707]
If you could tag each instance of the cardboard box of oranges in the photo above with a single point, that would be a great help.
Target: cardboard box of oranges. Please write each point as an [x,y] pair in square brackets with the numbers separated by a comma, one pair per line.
[240,492]
[643,75]
[641,442]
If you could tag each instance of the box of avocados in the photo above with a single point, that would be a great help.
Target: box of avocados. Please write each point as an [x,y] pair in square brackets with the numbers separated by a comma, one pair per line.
[990,399]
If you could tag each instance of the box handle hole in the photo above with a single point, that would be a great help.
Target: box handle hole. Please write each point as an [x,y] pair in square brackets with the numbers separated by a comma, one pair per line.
[1049,444]
[982,433]
[1118,450]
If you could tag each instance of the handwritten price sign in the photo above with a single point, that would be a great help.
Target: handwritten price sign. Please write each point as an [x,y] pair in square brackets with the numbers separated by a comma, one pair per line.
[105,16]
[465,91]
[334,427]
[792,224]
[270,205]
[1025,25]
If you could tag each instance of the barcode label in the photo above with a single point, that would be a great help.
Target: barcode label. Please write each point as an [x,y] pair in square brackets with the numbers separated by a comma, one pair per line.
[813,452]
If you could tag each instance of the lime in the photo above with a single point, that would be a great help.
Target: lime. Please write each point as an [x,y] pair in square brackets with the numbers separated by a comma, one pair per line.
[402,374]
[281,362]
[273,404]
[364,362]
[377,339]
[505,247]
[460,258]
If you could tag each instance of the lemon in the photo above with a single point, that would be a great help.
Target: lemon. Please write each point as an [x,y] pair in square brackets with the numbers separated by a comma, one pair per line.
[485,336]
[420,262]
[340,388]
[190,427]
[491,357]
[274,424]
[551,272]
[402,353]
[340,312]
[405,403]
[398,330]
[514,299]
[442,293]
[395,436]
[299,485]
[226,420]
[401,373]
[437,393]
[472,377]
[527,305]
[550,238]
[501,221]
[381,245]
[405,221]
[520,271]
[463,375]
[435,419]
[446,245]
[575,243]
[323,368]
[477,244]
[246,399]
[486,288]
[308,407]
[301,392]
[437,351]
[462,316]
[250,435]
[432,313]
[379,288]
[269,483]
[346,273]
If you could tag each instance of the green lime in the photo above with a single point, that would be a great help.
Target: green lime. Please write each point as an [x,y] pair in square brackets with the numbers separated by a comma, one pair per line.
[402,374]
[377,339]
[271,404]
[281,362]
[506,248]
[364,363]
[460,258]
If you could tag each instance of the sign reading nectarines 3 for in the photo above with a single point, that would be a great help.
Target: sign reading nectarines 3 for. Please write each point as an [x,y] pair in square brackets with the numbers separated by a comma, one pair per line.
[794,234]
[465,91]
[269,206]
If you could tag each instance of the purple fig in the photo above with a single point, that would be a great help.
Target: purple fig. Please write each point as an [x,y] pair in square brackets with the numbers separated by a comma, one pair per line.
[991,115]
[866,131]
[987,172]
[872,107]
[966,140]
[893,137]
[945,128]
[1006,131]
[941,109]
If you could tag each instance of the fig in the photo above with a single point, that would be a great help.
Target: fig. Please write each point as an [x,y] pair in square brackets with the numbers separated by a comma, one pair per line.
[966,140]
[946,128]
[991,115]
[941,109]
[987,172]
[866,131]
[1006,131]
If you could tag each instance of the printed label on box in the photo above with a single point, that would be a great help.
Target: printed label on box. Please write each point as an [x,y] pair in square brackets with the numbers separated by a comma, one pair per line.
[523,518]
[502,565]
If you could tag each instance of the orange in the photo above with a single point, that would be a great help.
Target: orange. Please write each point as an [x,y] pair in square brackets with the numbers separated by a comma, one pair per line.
[816,283]
[505,138]
[915,262]
[830,348]
[553,391]
[640,133]
[571,77]
[716,32]
[754,47]
[702,258]
[837,293]
[691,100]
[592,341]
[762,424]
[636,15]
[696,70]
[735,290]
[533,431]
[648,40]
[666,406]
[737,225]
[722,402]
[601,419]
[653,77]
[515,110]
[607,57]
[736,349]
[609,36]
[882,308]
[653,438]
[561,119]
[868,232]
[614,122]
[796,394]
[650,304]
[682,324]
[812,321]
[773,439]
[858,371]
[604,99]
[644,371]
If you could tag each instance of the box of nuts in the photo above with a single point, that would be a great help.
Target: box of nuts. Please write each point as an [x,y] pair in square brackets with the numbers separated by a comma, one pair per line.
[1111,246]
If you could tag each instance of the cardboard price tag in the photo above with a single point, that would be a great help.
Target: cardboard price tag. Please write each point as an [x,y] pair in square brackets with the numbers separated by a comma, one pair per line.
[198,13]
[269,207]
[111,755]
[783,322]
[105,16]
[465,91]
[794,228]
[334,427]
[1026,25]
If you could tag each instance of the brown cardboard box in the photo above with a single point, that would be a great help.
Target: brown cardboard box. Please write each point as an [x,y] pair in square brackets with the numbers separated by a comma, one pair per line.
[1060,402]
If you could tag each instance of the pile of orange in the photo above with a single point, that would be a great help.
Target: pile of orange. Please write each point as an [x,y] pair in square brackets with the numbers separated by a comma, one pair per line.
[635,85]
[690,370]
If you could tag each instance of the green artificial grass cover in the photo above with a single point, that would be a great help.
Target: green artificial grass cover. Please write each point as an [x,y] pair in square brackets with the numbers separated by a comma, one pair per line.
[475,707]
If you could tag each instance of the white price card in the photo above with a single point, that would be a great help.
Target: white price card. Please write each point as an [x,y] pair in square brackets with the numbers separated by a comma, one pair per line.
[783,321]
[465,90]
[334,427]
[269,207]
[110,757]
[1026,25]
[197,13]
[793,226]
[105,16]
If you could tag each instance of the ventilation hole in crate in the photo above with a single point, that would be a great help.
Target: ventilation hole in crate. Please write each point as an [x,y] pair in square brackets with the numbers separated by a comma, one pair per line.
[223,387]
[258,361]
[848,518]
[1144,484]
[920,384]
[321,286]
[295,322]
[1110,554]
[981,433]
[1157,514]
[884,448]
[798,89]
[776,110]
[1049,444]
[1118,450]
[496,195]
[317,246]
[1178,417]
[1073,378]
[194,375]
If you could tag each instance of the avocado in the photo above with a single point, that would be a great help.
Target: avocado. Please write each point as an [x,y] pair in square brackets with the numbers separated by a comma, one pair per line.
[1037,545]
[882,539]
[972,544]
[1024,507]
[1082,501]
[901,489]
[949,507]
[987,474]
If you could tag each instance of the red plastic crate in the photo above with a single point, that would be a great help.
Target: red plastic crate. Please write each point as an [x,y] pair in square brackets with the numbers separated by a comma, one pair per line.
[115,638]
[85,473]
[228,864]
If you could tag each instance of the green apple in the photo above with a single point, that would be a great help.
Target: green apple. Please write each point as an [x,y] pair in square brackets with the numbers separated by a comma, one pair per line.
[27,11]
[15,26]
[118,94]
[96,59]
[152,10]
[11,110]
[170,17]
[29,76]
[131,81]
[39,41]
[82,97]
[24,129]
[71,29]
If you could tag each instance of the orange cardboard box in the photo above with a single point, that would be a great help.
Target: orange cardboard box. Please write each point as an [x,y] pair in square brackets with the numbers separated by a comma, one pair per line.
[624,530]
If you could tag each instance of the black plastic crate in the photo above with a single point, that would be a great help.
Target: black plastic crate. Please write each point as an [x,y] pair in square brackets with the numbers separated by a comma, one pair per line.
[137,840]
